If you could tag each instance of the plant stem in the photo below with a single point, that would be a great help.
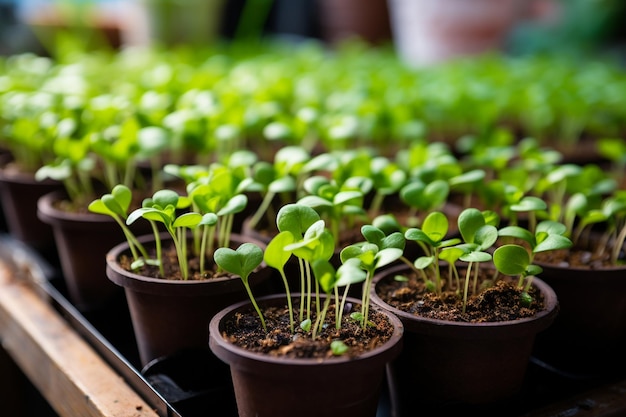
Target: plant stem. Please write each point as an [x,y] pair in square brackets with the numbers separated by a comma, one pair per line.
[256,307]
[256,218]
[288,293]
[466,288]
[302,291]
[342,306]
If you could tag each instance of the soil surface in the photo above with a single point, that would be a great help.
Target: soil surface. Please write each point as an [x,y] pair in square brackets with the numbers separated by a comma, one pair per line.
[246,331]
[578,257]
[501,301]
[171,267]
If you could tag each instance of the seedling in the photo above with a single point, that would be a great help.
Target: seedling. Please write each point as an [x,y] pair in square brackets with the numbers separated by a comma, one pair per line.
[242,262]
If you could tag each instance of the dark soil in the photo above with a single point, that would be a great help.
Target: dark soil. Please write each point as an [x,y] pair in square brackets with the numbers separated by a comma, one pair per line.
[492,302]
[171,268]
[577,257]
[246,331]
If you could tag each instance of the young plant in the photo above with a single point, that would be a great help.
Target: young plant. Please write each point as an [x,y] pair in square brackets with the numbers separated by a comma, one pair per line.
[162,207]
[330,281]
[309,241]
[516,260]
[277,179]
[116,205]
[432,238]
[242,262]
[478,236]
[377,251]
[337,206]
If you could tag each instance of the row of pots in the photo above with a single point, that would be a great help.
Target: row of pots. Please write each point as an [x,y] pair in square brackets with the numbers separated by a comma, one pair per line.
[472,381]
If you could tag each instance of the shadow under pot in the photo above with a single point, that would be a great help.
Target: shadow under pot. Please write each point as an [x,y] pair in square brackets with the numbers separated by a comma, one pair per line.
[278,386]
[170,315]
[448,363]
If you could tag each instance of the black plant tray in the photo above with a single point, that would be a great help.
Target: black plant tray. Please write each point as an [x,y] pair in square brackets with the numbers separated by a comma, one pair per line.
[177,386]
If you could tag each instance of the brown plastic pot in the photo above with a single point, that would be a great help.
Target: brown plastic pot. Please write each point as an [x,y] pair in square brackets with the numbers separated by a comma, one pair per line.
[19,193]
[588,338]
[445,362]
[82,241]
[172,315]
[282,387]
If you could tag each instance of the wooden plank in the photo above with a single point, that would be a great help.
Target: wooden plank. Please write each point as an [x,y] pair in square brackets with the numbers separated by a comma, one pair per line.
[63,367]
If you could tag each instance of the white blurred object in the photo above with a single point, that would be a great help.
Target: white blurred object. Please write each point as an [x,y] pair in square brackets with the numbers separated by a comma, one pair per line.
[431,31]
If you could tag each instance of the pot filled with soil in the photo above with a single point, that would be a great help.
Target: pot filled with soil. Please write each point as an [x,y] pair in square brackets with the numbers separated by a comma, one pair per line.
[588,337]
[280,372]
[471,308]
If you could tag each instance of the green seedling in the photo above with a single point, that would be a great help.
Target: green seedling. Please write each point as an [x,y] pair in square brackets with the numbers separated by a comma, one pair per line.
[162,208]
[242,262]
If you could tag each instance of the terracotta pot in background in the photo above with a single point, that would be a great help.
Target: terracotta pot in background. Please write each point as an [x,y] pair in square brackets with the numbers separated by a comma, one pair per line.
[426,32]
[366,20]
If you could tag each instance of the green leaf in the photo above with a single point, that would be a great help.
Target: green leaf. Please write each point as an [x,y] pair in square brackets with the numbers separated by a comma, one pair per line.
[418,235]
[511,259]
[275,254]
[529,203]
[517,232]
[209,219]
[189,220]
[470,220]
[98,207]
[306,325]
[282,185]
[551,227]
[163,198]
[387,255]
[124,197]
[424,262]
[486,236]
[338,348]
[552,242]
[435,226]
[235,204]
[451,255]
[296,218]
[325,274]
[476,256]
[350,273]
[242,261]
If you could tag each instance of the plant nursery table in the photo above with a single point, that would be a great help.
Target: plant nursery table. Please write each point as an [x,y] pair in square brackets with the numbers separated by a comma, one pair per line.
[82,369]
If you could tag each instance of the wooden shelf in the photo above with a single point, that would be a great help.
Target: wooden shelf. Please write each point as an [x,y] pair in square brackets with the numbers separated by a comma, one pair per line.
[63,367]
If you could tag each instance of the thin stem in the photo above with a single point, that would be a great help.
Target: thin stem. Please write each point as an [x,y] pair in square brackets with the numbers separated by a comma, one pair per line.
[256,218]
[288,293]
[466,288]
[342,306]
[256,307]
